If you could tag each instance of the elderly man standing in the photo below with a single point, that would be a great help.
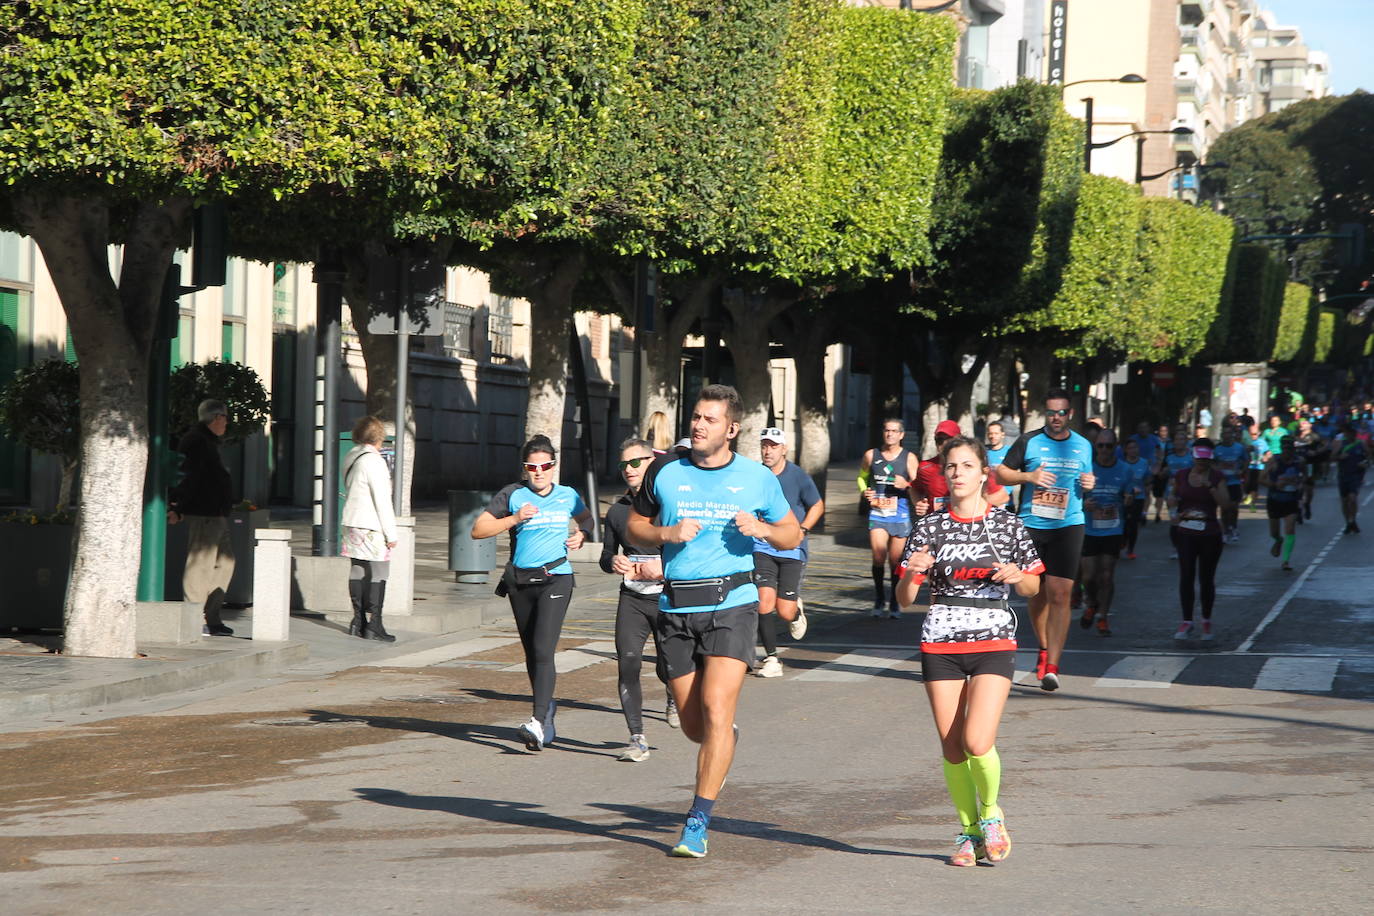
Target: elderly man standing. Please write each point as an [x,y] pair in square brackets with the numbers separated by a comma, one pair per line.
[202,499]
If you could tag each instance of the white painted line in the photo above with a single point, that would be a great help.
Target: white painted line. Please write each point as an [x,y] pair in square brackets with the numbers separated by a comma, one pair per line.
[857,666]
[574,659]
[1304,675]
[1287,596]
[429,657]
[1144,671]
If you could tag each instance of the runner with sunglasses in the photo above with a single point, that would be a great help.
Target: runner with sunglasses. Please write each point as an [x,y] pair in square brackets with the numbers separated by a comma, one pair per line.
[973,557]
[635,612]
[1194,498]
[538,512]
[1054,466]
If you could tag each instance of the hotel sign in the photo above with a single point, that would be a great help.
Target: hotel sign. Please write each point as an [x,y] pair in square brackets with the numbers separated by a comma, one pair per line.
[1059,37]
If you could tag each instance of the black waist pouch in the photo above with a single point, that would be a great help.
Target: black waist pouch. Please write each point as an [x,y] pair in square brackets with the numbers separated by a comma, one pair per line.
[703,592]
[521,576]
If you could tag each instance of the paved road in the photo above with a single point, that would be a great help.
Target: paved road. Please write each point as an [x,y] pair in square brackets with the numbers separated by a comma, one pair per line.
[1163,777]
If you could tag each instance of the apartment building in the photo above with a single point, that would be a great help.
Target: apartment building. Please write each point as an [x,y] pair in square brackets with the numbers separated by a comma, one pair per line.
[1001,41]
[1284,70]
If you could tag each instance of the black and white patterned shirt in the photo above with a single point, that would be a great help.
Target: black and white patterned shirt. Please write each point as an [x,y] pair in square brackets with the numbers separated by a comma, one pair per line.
[967,551]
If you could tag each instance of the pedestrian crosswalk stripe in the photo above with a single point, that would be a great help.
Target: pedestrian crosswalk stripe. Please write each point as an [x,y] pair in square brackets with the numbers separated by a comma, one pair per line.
[584,656]
[1305,675]
[1144,671]
[856,666]
[428,657]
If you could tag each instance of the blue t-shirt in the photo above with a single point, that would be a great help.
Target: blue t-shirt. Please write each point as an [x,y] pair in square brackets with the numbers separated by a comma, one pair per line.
[996,455]
[542,538]
[675,489]
[1286,484]
[1174,462]
[1059,505]
[1259,453]
[801,494]
[1231,460]
[1105,506]
[1140,475]
[1149,444]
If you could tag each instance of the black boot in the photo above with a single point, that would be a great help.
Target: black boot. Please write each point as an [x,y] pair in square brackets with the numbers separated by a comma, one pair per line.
[376,597]
[355,594]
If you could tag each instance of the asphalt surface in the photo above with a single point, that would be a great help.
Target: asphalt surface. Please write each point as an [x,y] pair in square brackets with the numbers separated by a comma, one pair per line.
[1164,777]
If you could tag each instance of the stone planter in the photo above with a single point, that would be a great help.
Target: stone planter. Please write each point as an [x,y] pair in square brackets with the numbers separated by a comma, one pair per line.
[241,525]
[35,563]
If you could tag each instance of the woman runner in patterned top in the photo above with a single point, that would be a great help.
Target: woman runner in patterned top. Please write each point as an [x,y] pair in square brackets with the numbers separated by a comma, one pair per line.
[973,557]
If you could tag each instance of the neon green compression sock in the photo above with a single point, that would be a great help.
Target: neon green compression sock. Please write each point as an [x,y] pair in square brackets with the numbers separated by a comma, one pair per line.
[963,792]
[1288,541]
[987,778]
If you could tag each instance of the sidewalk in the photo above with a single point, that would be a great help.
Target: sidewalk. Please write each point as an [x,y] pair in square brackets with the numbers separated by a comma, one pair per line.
[37,685]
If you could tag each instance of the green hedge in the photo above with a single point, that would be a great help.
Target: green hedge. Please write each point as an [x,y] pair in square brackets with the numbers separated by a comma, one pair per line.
[1096,284]
[1293,322]
[862,101]
[1247,323]
[1324,345]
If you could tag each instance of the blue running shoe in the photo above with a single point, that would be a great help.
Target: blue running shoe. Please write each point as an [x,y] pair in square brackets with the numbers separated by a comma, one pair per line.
[693,842]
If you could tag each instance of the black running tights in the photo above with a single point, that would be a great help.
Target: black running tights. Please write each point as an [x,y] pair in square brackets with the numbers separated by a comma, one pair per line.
[1134,515]
[634,623]
[1198,556]
[539,611]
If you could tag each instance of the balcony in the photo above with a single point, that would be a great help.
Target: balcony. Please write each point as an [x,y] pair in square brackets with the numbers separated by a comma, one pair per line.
[1192,12]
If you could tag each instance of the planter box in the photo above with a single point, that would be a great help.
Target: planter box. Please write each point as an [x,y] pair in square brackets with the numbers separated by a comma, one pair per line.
[35,563]
[241,525]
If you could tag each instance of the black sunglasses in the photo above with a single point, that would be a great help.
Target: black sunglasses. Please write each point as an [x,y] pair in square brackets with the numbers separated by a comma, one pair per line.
[1058,413]
[633,462]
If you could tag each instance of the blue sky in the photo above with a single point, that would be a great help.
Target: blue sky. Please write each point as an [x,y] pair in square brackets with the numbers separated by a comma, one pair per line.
[1344,29]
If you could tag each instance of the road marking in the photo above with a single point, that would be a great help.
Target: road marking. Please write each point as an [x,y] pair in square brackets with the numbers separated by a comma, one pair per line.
[856,666]
[429,657]
[1293,589]
[1144,671]
[584,656]
[1302,675]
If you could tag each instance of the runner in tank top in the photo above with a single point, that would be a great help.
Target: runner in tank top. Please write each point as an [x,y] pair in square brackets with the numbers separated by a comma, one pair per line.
[1053,466]
[1196,495]
[973,558]
[885,475]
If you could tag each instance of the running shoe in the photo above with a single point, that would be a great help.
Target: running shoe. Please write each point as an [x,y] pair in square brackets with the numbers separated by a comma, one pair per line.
[968,849]
[996,839]
[670,712]
[797,628]
[1276,548]
[532,733]
[692,845]
[771,667]
[1207,634]
[1086,620]
[549,733]
[1051,679]
[636,751]
[1287,567]
[1184,631]
[1102,628]
[1307,511]
[1041,661]
[879,610]
[895,613]
[1354,527]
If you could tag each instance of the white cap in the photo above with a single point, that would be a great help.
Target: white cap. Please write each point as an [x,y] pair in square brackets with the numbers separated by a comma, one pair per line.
[773,434]
[684,443]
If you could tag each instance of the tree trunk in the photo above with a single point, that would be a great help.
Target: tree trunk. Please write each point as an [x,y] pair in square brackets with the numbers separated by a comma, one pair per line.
[64,490]
[807,335]
[112,328]
[551,318]
[1001,393]
[673,318]
[1038,362]
[749,341]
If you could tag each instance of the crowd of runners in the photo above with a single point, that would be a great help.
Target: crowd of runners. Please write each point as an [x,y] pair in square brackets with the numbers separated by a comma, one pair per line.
[711,549]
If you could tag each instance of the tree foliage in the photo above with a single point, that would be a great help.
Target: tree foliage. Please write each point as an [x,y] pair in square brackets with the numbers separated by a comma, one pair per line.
[1294,317]
[237,385]
[41,407]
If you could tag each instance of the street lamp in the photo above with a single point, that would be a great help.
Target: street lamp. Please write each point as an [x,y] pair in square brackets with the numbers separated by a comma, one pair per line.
[1090,146]
[1140,153]
[907,5]
[1128,78]
[1088,113]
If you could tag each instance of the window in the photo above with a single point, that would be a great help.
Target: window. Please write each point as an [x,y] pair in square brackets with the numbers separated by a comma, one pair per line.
[15,315]
[284,294]
[16,258]
[501,328]
[231,341]
[236,288]
[183,347]
[459,321]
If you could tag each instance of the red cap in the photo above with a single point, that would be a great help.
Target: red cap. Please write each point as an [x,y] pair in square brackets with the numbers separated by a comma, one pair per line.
[948,427]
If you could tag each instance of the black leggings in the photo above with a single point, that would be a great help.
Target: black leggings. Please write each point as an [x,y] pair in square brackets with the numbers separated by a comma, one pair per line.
[539,611]
[1198,555]
[634,623]
[1134,515]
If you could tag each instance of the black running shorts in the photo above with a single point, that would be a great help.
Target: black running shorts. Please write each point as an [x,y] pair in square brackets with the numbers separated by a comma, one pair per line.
[955,666]
[1281,508]
[1060,549]
[782,574]
[687,637]
[1106,545]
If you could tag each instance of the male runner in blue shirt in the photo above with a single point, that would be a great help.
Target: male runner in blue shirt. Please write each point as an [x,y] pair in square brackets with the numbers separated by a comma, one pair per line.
[1054,464]
[706,505]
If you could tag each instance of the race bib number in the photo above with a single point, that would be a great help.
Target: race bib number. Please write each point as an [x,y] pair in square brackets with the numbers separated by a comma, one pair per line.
[884,506]
[1193,524]
[1050,502]
[643,586]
